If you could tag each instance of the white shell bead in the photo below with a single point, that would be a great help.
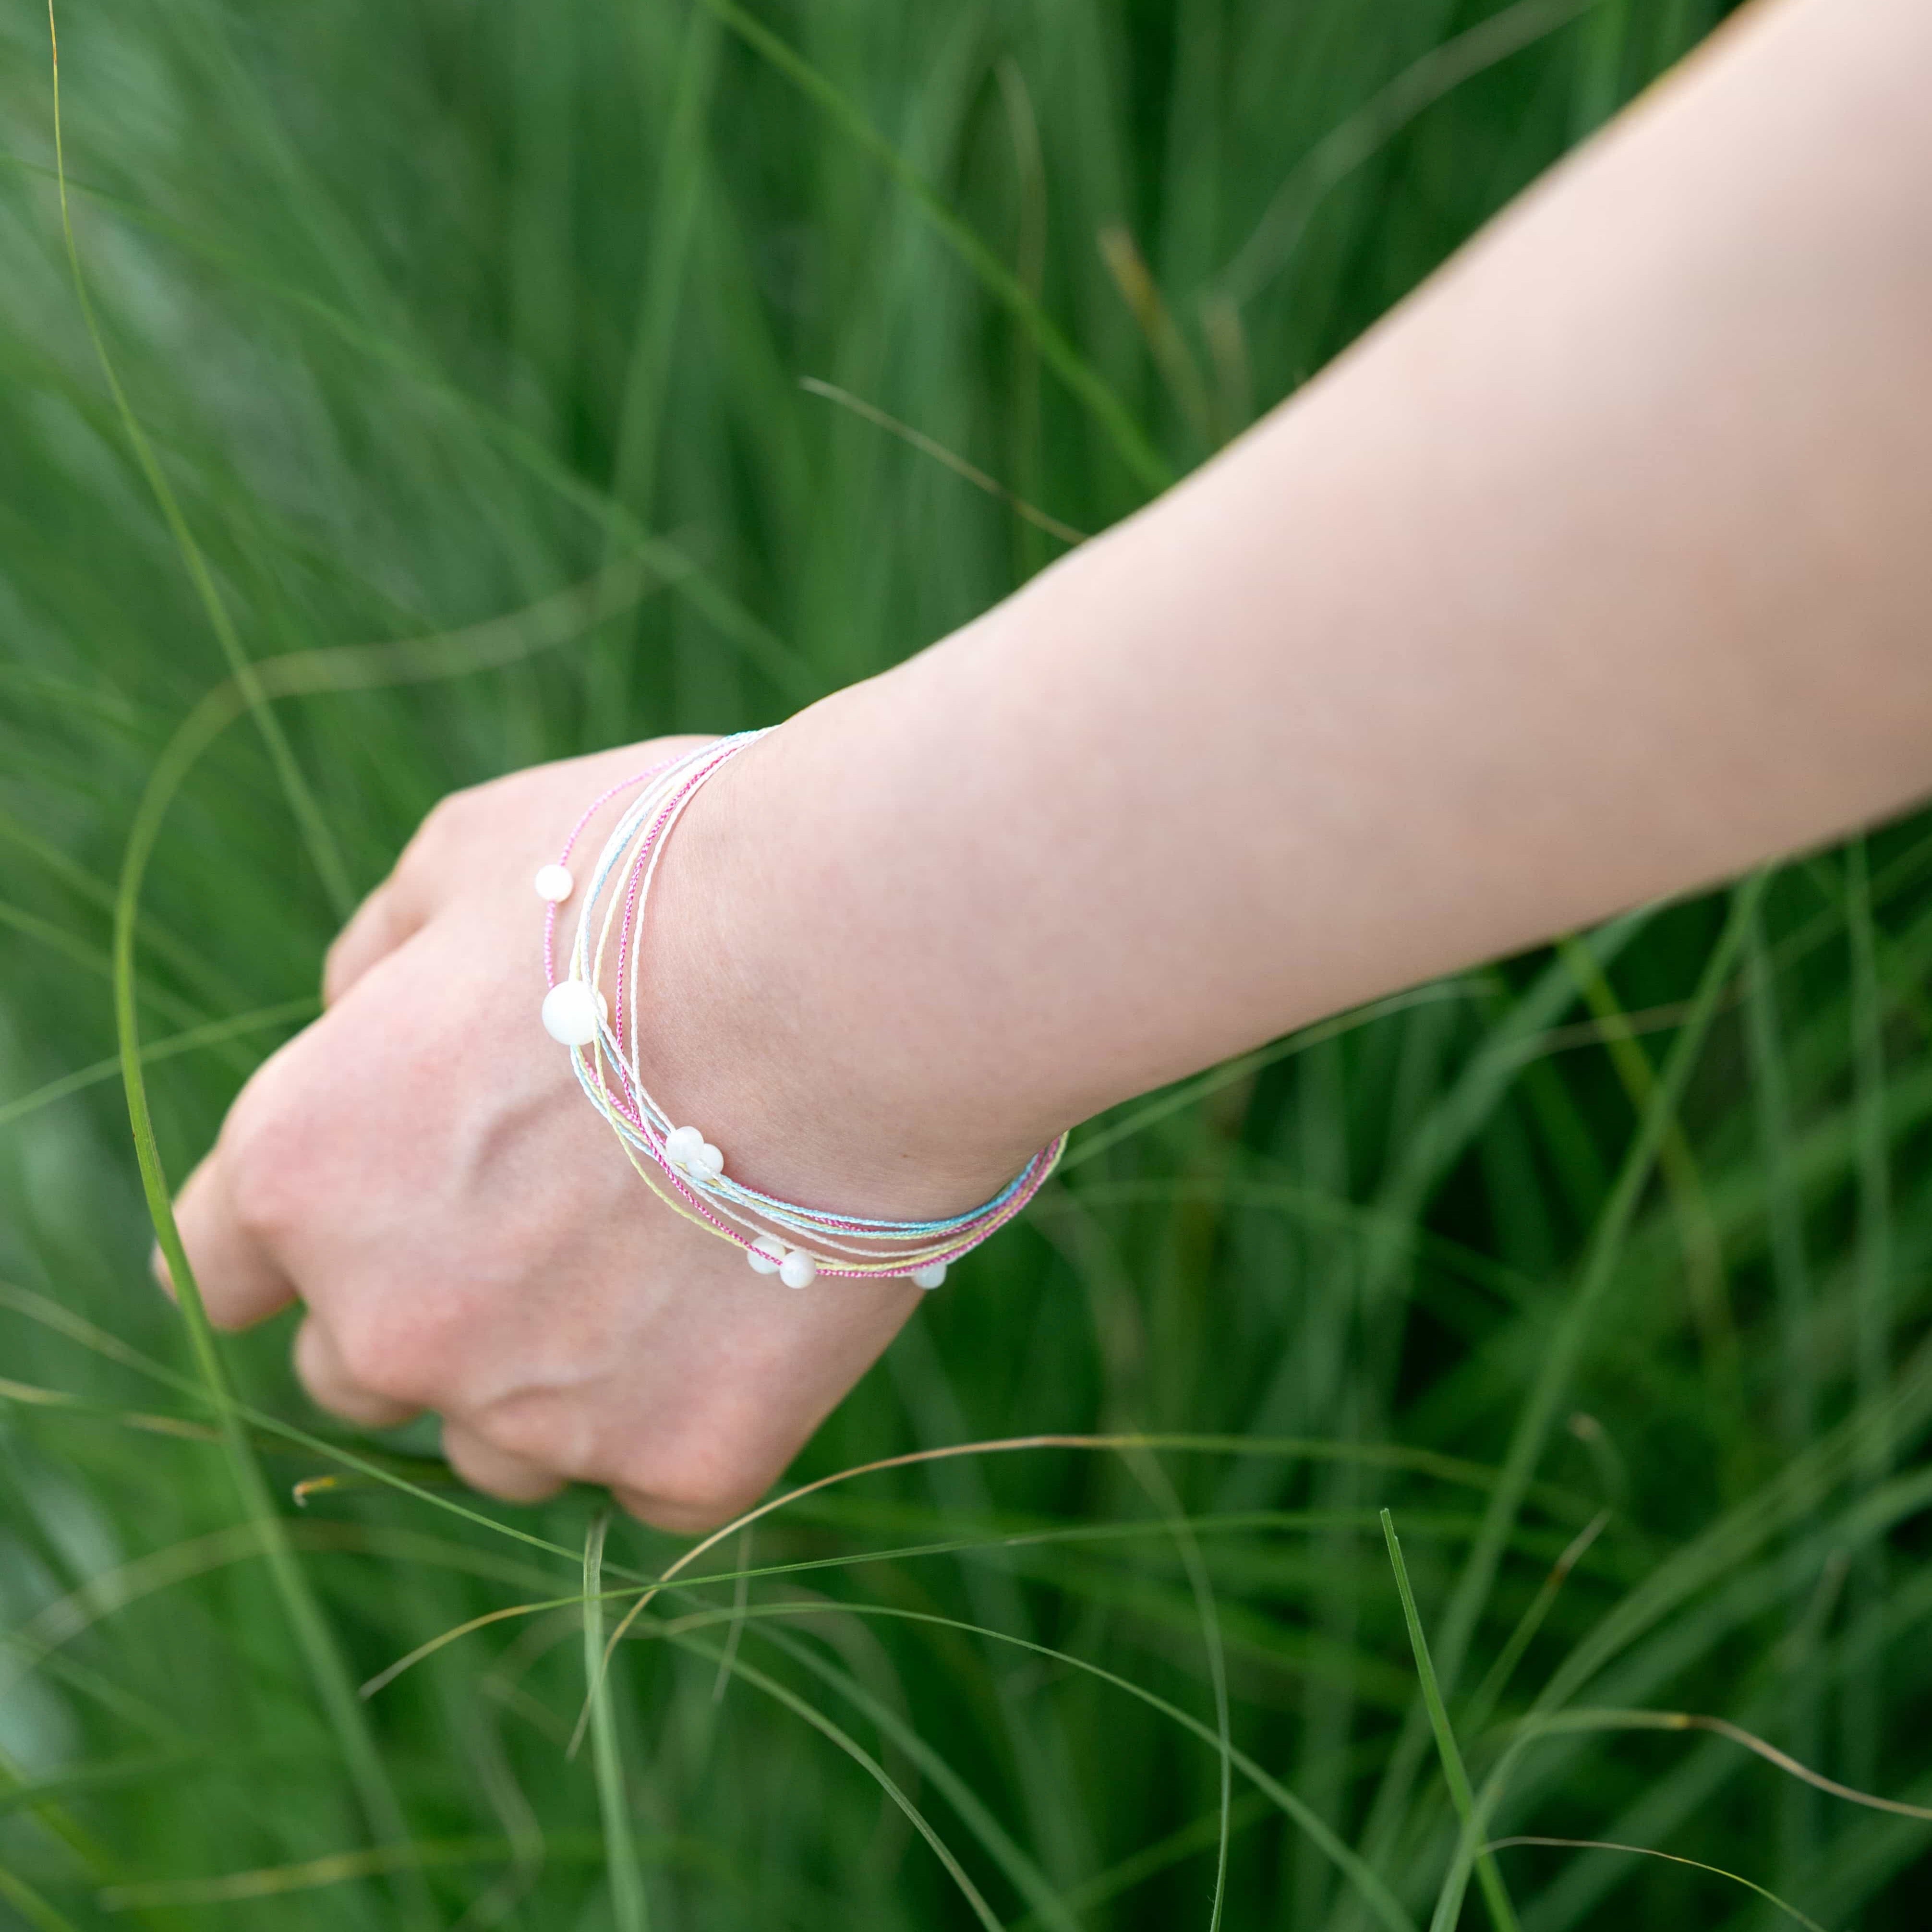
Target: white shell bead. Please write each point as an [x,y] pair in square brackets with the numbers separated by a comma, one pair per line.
[766,1254]
[798,1269]
[683,1145]
[709,1160]
[570,1013]
[930,1276]
[555,883]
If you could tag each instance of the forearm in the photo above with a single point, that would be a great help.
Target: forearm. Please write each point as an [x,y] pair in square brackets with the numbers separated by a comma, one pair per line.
[1596,572]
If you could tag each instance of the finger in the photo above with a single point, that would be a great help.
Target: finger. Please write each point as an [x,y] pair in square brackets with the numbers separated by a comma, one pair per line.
[375,928]
[240,1281]
[320,1367]
[493,1471]
[680,1517]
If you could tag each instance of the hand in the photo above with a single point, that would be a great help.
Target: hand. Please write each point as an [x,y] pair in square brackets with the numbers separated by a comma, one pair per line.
[421,1169]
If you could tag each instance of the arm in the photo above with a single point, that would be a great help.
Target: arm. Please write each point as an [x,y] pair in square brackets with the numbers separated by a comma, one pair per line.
[1602,569]
[1595,572]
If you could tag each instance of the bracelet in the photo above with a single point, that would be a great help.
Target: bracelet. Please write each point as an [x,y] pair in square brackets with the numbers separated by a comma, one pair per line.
[680,1164]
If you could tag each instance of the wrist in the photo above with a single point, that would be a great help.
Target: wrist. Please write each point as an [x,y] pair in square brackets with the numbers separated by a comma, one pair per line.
[815,1088]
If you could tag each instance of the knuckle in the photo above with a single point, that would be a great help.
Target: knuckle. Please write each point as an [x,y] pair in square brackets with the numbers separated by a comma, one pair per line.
[533,1432]
[261,1152]
[445,816]
[388,1358]
[688,1487]
[334,968]
[443,824]
[420,856]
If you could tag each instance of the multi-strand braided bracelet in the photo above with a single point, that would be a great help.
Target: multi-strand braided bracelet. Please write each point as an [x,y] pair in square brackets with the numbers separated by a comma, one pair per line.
[682,1164]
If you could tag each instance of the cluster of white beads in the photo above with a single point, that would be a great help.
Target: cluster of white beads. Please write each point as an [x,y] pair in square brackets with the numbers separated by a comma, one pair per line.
[691,1154]
[768,1255]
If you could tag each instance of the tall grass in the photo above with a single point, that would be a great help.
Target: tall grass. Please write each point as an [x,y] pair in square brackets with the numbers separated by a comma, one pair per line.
[531,378]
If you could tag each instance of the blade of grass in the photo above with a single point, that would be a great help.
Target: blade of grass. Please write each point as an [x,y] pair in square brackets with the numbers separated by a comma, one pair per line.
[1703,1252]
[741,1595]
[1274,237]
[780,1693]
[1872,1315]
[214,1033]
[1023,1873]
[187,960]
[1130,274]
[71,945]
[1510,1655]
[333,1868]
[628,1907]
[1029,266]
[1797,1399]
[926,446]
[1648,1852]
[1501,1913]
[1586,1720]
[1154,1479]
[1603,53]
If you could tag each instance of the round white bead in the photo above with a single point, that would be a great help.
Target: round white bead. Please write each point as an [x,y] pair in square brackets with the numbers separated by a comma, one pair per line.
[683,1145]
[570,1013]
[555,883]
[798,1270]
[710,1159]
[766,1254]
[930,1276]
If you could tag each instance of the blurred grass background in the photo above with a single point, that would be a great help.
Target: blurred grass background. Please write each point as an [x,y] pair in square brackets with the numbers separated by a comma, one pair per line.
[480,331]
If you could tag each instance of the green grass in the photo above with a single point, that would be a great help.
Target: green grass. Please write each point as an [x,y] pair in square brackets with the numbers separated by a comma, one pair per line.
[503,381]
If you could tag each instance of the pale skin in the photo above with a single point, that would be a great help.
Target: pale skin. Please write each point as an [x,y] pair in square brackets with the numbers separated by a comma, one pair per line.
[1599,570]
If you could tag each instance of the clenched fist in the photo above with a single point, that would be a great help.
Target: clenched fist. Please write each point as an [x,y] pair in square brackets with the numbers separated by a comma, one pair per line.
[420,1170]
